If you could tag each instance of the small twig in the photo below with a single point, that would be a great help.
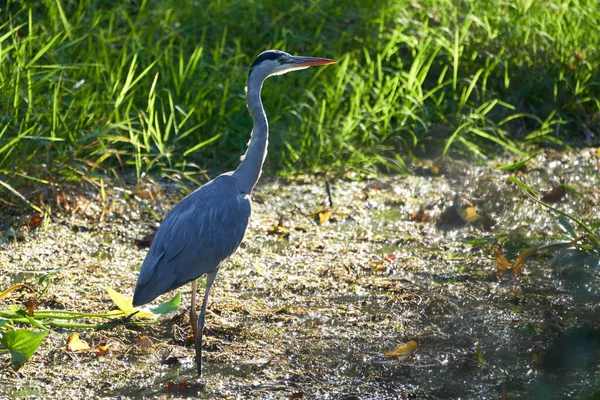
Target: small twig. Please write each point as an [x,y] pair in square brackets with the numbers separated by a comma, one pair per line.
[312,221]
[328,187]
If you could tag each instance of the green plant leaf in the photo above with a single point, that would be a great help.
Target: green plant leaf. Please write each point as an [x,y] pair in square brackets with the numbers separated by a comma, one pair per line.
[566,226]
[49,274]
[22,344]
[23,313]
[517,165]
[167,306]
[479,353]
[577,192]
[124,304]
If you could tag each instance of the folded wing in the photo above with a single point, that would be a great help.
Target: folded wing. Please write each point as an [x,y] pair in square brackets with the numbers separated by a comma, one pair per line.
[201,232]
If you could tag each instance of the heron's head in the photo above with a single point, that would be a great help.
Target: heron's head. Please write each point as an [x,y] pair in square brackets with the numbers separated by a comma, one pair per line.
[276,62]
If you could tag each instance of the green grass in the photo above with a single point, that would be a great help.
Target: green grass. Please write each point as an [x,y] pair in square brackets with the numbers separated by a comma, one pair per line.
[106,87]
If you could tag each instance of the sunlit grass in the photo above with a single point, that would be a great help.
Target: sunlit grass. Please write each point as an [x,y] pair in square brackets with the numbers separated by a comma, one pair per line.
[102,87]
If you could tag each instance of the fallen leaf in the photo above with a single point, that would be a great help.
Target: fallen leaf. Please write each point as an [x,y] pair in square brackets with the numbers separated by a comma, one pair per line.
[502,264]
[279,229]
[35,222]
[295,396]
[324,216]
[403,351]
[468,213]
[555,194]
[15,287]
[144,342]
[74,343]
[102,350]
[421,216]
[31,305]
[173,387]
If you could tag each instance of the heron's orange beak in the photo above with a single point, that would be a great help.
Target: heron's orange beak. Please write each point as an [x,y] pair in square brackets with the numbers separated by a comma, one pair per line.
[310,61]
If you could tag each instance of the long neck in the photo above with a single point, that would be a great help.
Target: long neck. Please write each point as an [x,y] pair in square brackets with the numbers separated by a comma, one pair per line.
[250,169]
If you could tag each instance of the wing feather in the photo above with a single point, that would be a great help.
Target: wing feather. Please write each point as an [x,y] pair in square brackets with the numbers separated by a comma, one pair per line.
[201,232]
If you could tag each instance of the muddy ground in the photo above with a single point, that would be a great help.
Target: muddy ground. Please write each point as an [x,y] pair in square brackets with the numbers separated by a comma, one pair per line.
[308,309]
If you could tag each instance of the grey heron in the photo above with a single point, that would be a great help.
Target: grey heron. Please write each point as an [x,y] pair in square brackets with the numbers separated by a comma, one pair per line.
[208,225]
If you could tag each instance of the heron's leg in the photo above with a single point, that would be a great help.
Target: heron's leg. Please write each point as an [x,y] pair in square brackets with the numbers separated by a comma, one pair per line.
[210,278]
[193,313]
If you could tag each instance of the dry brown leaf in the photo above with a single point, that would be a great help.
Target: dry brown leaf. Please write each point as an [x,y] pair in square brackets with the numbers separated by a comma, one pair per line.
[173,387]
[31,304]
[102,350]
[403,351]
[555,194]
[34,222]
[74,343]
[144,342]
[422,216]
[502,264]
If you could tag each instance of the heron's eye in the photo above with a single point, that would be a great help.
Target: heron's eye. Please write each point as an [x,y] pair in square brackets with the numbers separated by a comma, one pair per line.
[281,60]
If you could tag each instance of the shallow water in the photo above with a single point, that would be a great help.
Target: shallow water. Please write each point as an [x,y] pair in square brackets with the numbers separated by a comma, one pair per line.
[313,312]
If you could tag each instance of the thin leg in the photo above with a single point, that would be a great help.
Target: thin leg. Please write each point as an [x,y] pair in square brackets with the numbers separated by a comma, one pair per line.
[193,314]
[210,278]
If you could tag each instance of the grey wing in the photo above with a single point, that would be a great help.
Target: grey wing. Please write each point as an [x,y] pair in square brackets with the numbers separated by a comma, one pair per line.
[201,232]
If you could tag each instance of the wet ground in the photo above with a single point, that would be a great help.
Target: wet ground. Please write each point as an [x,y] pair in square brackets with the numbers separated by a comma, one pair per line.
[309,309]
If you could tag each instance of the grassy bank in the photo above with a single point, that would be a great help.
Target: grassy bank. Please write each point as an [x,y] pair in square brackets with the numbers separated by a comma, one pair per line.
[97,86]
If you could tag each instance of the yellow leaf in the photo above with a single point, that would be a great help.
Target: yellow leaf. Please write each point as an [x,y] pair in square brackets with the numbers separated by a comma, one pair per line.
[469,214]
[278,230]
[125,305]
[324,216]
[74,343]
[403,350]
[15,287]
[281,231]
